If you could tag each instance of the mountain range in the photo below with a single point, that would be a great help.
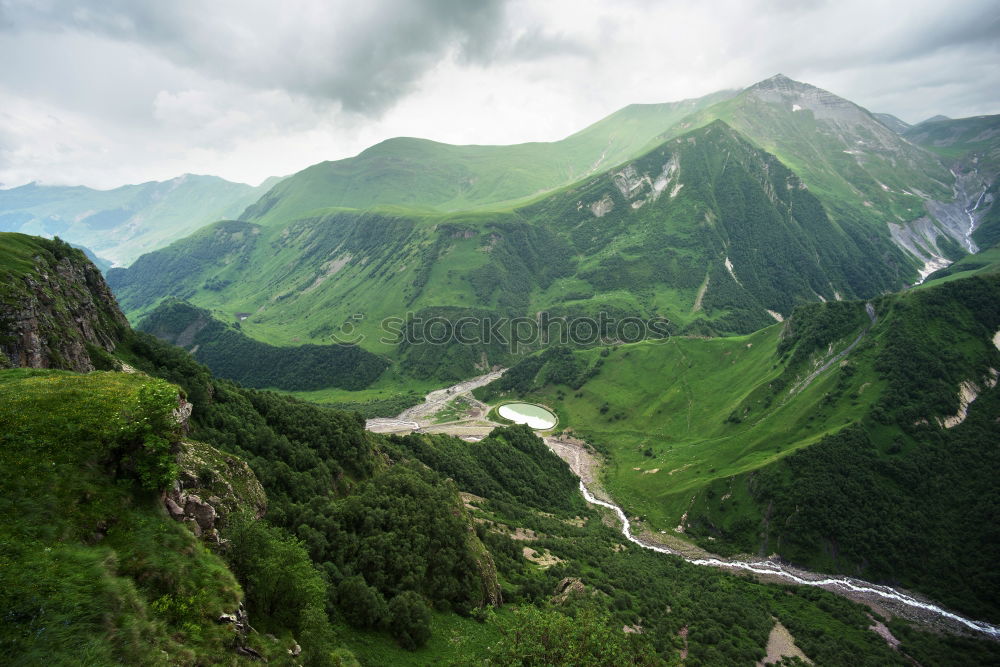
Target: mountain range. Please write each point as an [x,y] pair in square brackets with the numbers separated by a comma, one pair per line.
[121,224]
[720,214]
[819,398]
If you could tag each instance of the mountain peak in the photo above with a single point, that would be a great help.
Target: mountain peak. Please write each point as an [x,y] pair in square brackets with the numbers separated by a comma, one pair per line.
[781,82]
[934,119]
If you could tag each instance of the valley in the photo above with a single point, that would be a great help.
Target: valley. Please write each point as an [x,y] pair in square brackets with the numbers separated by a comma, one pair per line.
[708,382]
[586,464]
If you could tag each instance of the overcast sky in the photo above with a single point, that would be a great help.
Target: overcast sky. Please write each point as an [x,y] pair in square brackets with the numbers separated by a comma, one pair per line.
[106,92]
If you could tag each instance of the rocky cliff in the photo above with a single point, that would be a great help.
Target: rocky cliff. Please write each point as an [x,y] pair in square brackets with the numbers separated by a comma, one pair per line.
[56,311]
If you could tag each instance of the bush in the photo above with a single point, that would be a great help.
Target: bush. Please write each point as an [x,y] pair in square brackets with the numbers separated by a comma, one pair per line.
[409,620]
[280,581]
[362,605]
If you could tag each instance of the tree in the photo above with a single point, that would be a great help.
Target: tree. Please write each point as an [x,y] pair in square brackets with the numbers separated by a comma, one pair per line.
[362,605]
[409,620]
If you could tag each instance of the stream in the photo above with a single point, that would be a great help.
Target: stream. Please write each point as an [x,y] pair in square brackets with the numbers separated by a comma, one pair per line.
[855,589]
[972,223]
[585,466]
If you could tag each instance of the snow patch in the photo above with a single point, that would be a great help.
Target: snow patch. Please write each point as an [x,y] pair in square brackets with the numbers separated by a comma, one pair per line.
[796,107]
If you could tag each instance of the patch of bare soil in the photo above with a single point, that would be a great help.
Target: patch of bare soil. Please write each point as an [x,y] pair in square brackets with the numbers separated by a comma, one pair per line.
[542,559]
[781,644]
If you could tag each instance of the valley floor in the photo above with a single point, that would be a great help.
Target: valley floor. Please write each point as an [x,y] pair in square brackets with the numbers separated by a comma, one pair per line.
[438,414]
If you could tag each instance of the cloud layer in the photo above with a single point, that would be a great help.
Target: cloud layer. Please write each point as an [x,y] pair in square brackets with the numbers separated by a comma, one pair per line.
[119,91]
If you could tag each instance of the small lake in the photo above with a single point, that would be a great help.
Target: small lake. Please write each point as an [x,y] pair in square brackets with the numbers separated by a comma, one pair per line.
[525,413]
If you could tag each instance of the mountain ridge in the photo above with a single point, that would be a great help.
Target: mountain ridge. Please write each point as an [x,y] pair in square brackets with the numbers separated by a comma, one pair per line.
[121,223]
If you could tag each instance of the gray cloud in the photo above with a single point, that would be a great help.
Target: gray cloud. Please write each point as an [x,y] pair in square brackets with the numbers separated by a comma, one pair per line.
[364,55]
[110,91]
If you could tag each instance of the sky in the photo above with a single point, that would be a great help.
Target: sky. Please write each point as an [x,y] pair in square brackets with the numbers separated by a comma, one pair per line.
[108,92]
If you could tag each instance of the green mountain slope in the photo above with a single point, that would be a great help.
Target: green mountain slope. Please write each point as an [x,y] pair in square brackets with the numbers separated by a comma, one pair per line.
[958,138]
[860,169]
[705,230]
[838,148]
[726,440]
[424,174]
[134,534]
[123,223]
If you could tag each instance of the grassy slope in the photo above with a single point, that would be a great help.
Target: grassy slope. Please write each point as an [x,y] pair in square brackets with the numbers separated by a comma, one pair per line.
[694,202]
[688,423]
[93,568]
[839,149]
[957,138]
[983,262]
[673,399]
[418,173]
[229,353]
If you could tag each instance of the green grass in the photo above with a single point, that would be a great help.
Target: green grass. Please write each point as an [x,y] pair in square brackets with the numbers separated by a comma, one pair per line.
[93,570]
[454,641]
[423,174]
[17,253]
[664,407]
[984,262]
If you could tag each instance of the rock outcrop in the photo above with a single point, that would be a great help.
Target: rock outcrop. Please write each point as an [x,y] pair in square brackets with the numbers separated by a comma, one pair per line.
[212,485]
[55,307]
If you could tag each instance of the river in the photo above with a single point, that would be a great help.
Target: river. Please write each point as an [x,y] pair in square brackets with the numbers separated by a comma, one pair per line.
[894,600]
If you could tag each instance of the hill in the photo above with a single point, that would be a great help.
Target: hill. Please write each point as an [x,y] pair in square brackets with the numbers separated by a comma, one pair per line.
[123,223]
[136,532]
[705,230]
[824,439]
[229,353]
[423,174]
[860,169]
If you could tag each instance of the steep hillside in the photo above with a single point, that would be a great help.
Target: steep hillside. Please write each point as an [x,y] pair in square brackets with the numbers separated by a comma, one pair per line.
[229,353]
[971,146]
[860,169]
[121,224]
[895,124]
[55,309]
[705,230]
[76,545]
[423,174]
[880,414]
[134,534]
[569,582]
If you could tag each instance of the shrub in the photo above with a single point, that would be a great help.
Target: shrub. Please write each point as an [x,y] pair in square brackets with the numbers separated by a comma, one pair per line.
[409,620]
